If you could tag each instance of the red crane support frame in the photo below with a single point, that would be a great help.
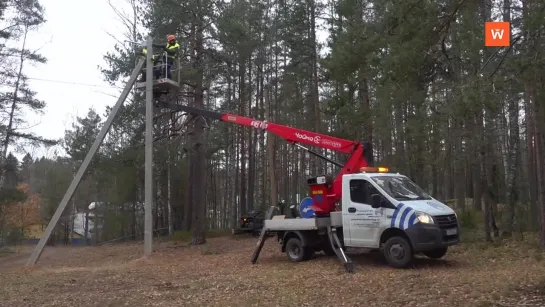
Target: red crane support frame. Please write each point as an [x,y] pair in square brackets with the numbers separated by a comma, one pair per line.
[360,153]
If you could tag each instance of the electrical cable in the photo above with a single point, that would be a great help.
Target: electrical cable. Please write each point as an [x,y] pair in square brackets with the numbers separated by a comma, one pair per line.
[73,83]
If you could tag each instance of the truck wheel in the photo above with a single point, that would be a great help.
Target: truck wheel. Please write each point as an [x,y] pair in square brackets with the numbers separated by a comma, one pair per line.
[398,252]
[436,253]
[295,250]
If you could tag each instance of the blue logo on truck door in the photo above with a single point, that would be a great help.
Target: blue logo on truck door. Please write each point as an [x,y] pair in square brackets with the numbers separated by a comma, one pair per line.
[404,217]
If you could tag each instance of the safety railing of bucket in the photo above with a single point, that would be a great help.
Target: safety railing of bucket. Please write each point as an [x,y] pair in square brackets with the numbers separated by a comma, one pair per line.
[163,64]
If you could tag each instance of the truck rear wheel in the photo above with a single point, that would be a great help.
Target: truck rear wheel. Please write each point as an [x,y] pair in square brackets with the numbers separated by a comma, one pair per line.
[436,253]
[297,252]
[398,252]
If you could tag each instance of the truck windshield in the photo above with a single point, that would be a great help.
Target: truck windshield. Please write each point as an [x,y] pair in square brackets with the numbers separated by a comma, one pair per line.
[401,188]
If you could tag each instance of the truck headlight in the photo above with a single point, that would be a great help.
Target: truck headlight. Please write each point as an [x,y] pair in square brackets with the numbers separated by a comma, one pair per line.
[424,218]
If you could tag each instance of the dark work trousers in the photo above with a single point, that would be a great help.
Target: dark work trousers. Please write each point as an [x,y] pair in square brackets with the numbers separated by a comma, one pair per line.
[158,70]
[144,71]
[170,64]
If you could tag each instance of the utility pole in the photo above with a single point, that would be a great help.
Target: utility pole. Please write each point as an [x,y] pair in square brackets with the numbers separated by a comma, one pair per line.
[148,165]
[79,174]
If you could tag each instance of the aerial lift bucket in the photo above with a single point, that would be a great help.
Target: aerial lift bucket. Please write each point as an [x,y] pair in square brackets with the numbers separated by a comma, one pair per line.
[163,86]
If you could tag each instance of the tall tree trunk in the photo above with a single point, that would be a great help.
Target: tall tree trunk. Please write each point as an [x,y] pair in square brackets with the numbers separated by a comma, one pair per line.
[538,154]
[271,155]
[252,143]
[198,152]
[169,193]
[476,163]
[243,100]
[459,173]
[513,143]
[486,195]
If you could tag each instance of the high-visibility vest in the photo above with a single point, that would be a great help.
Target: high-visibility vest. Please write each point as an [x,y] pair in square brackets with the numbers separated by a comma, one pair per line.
[173,47]
[153,56]
[145,52]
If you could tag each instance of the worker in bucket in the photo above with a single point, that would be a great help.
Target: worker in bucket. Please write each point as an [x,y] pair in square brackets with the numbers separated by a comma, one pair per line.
[171,53]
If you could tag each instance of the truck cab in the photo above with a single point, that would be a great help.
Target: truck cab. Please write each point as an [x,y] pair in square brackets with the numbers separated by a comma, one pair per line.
[389,212]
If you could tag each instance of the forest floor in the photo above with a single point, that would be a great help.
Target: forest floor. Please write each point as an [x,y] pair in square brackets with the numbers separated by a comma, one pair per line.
[220,274]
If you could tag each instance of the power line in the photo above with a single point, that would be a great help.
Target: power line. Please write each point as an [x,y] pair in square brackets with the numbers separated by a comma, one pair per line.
[74,83]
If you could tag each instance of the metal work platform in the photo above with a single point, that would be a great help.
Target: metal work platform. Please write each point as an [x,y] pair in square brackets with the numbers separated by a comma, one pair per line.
[162,85]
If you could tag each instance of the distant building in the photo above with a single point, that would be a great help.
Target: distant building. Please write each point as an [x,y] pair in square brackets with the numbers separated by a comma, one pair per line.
[79,224]
[96,211]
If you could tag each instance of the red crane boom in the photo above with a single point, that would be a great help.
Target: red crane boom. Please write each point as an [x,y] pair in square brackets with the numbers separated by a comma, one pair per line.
[361,153]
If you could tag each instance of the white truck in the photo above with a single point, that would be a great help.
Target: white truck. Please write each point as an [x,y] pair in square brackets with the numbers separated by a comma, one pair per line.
[363,207]
[379,211]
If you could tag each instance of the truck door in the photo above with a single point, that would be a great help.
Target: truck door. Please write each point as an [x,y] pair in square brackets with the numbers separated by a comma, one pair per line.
[362,219]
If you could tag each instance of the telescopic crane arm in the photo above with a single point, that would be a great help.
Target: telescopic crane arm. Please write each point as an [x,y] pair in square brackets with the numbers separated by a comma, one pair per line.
[361,154]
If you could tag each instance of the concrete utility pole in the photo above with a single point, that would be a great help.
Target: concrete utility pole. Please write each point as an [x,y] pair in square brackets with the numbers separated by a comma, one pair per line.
[148,166]
[77,178]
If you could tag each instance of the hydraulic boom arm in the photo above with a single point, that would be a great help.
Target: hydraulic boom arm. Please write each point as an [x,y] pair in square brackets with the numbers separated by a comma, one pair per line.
[361,154]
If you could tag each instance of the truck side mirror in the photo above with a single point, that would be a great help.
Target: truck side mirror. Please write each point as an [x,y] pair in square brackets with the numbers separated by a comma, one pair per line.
[376,200]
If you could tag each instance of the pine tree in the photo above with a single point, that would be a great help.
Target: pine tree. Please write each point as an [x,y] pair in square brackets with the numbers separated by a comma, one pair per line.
[28,16]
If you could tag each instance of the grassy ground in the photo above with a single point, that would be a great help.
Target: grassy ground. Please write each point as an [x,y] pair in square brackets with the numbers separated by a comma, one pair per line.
[220,274]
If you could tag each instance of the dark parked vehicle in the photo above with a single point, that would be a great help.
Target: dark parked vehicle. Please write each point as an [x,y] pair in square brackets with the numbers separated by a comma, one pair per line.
[251,222]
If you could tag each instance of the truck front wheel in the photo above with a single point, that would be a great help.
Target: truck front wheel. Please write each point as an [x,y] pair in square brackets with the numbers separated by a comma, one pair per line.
[297,252]
[398,252]
[436,253]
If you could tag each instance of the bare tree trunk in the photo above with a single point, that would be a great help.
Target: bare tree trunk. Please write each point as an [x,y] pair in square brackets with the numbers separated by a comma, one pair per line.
[242,107]
[486,194]
[538,154]
[198,152]
[513,145]
[169,192]
[252,142]
[459,165]
[236,191]
[271,155]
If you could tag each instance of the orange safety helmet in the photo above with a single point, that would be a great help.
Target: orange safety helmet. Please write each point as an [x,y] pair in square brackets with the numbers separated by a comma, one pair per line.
[171,37]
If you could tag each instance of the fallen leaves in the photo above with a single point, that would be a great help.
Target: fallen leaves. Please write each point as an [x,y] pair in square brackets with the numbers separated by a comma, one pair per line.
[220,274]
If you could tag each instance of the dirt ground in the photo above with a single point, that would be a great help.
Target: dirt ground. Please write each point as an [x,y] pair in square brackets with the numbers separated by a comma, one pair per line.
[220,274]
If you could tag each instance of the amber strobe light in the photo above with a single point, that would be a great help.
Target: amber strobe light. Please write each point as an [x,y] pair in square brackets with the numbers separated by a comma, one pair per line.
[374,169]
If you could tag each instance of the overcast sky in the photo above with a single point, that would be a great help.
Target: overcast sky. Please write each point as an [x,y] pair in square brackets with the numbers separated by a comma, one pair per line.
[73,40]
